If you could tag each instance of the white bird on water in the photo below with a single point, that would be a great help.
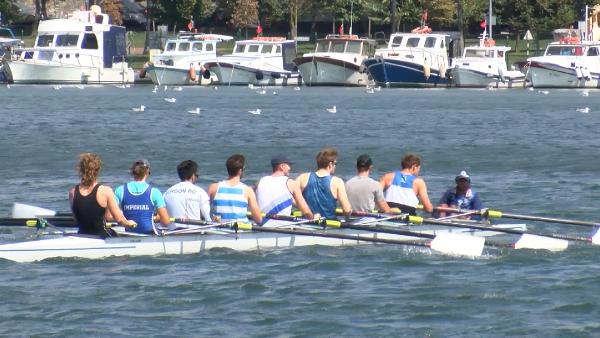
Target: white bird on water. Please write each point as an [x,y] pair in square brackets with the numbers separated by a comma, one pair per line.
[215,88]
[8,85]
[178,89]
[261,92]
[585,93]
[332,109]
[139,109]
[545,92]
[170,99]
[296,88]
[195,111]
[57,87]
[370,90]
[255,112]
[584,110]
[250,85]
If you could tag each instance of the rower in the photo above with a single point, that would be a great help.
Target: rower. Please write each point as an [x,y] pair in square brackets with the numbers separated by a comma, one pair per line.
[140,201]
[185,199]
[404,189]
[364,192]
[277,193]
[321,189]
[91,202]
[231,198]
[461,196]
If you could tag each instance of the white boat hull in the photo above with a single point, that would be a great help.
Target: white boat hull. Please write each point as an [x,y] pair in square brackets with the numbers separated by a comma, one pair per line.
[94,248]
[468,78]
[21,72]
[322,73]
[174,76]
[235,74]
[547,75]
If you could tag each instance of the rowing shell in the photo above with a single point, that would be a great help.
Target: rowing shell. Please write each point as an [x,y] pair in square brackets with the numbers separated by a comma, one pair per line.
[70,246]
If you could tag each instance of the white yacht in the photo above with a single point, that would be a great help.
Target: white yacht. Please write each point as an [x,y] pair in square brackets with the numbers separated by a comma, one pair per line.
[83,48]
[182,60]
[483,66]
[260,61]
[337,61]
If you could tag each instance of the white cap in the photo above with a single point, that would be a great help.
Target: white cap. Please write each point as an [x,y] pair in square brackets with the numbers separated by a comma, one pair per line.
[463,175]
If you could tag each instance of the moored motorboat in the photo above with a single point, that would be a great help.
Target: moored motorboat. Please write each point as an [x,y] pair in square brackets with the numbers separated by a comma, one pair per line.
[183,58]
[336,61]
[260,61]
[416,59]
[81,49]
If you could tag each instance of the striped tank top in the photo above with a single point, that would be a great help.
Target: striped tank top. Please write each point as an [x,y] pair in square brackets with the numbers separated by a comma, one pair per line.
[230,203]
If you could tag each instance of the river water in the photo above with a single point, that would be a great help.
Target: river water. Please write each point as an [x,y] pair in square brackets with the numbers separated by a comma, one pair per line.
[528,152]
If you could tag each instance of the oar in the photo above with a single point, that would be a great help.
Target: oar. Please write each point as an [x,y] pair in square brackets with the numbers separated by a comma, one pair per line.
[460,244]
[443,243]
[22,210]
[60,221]
[528,239]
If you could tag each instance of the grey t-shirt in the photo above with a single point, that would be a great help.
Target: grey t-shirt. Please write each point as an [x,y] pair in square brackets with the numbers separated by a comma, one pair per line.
[363,193]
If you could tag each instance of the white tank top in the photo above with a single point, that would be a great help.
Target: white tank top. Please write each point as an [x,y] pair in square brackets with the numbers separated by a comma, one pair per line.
[401,190]
[273,195]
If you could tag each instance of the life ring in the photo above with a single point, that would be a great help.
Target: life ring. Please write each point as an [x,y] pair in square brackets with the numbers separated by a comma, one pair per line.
[192,72]
[489,42]
[569,39]
[421,30]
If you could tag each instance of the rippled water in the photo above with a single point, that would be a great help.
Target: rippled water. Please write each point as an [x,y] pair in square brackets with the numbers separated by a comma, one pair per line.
[528,152]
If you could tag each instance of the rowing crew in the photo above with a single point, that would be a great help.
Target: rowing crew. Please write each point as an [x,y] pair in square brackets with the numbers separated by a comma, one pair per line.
[137,205]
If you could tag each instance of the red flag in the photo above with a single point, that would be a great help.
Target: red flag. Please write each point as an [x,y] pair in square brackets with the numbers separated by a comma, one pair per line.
[258,29]
[424,17]
[482,24]
[190,25]
[341,28]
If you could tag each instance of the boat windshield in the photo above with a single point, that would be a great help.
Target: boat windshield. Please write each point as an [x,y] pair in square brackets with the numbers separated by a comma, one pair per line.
[322,46]
[564,50]
[252,48]
[354,47]
[67,40]
[397,41]
[413,42]
[44,41]
[266,49]
[338,46]
[197,47]
[478,53]
[184,46]
[430,42]
[170,46]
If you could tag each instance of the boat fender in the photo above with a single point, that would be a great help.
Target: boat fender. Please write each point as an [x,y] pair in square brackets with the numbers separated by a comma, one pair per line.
[192,72]
[143,71]
[275,75]
[501,75]
[259,75]
[578,72]
[442,71]
[426,70]
[586,73]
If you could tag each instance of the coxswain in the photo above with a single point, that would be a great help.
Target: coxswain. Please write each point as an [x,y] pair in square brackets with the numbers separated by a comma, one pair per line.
[461,196]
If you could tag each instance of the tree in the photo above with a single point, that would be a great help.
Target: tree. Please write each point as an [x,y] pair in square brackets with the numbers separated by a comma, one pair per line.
[6,9]
[245,14]
[114,9]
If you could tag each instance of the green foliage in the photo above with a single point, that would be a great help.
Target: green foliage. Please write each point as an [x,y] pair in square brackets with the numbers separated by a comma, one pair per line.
[245,14]
[7,10]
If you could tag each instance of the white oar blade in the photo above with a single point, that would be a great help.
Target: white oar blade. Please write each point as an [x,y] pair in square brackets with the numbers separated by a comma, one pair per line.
[21,210]
[528,241]
[459,245]
[596,237]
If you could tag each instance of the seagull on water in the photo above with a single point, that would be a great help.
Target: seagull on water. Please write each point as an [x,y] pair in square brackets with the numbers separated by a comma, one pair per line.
[195,111]
[585,93]
[57,87]
[8,85]
[370,90]
[378,88]
[296,88]
[139,109]
[250,85]
[261,92]
[165,88]
[332,109]
[255,112]
[274,92]
[584,110]
[545,92]
[215,88]
[178,89]
[170,99]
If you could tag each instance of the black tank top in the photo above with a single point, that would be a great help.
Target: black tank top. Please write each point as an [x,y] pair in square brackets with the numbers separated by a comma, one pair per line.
[89,214]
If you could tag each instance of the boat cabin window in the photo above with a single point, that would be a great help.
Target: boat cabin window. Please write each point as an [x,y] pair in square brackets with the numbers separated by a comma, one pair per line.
[397,41]
[593,51]
[170,46]
[239,48]
[430,42]
[252,49]
[338,46]
[266,49]
[44,41]
[500,54]
[412,42]
[322,46]
[560,50]
[67,40]
[354,47]
[184,46]
[89,41]
[197,47]
[209,47]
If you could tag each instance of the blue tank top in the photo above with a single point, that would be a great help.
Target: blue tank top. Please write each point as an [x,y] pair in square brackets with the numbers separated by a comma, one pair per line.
[318,196]
[139,208]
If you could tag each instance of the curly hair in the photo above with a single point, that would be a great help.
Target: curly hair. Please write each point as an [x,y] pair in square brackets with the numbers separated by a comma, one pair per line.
[89,167]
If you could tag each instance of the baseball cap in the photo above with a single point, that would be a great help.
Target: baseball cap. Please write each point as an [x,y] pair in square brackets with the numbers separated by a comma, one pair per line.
[364,161]
[462,176]
[142,163]
[278,159]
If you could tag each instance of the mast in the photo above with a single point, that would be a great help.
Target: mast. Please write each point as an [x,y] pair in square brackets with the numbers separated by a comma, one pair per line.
[351,5]
[490,18]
